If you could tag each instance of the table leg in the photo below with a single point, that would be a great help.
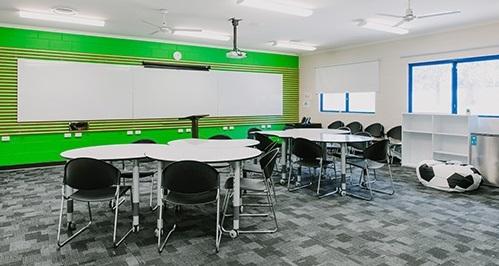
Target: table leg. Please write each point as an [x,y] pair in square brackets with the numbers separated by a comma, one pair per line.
[343,189]
[135,195]
[236,198]
[284,161]
[69,207]
[159,196]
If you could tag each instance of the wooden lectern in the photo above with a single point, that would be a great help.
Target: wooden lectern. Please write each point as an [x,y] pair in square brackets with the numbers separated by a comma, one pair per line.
[194,124]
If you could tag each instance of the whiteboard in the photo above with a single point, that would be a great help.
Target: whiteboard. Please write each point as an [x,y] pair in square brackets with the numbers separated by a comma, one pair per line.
[247,94]
[66,91]
[162,93]
[69,91]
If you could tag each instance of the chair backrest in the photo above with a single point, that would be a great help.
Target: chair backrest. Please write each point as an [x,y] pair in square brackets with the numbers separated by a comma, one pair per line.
[267,162]
[378,151]
[376,130]
[88,174]
[346,129]
[306,149]
[145,141]
[336,125]
[265,142]
[361,146]
[220,137]
[395,133]
[251,132]
[355,127]
[190,177]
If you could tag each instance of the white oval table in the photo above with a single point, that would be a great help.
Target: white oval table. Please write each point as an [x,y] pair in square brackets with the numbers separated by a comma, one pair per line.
[208,154]
[116,152]
[322,136]
[287,135]
[215,143]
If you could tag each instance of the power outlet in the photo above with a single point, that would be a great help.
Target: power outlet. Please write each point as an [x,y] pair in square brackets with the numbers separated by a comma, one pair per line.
[269,126]
[129,132]
[262,126]
[231,128]
[5,138]
[180,130]
[78,135]
[67,135]
[225,128]
[188,130]
[138,132]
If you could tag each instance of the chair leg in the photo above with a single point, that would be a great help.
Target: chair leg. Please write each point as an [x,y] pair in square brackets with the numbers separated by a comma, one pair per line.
[218,235]
[297,184]
[319,179]
[162,246]
[225,206]
[365,174]
[59,244]
[390,192]
[116,244]
[151,192]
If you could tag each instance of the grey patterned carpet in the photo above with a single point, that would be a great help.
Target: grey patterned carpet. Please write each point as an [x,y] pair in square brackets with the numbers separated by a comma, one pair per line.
[416,226]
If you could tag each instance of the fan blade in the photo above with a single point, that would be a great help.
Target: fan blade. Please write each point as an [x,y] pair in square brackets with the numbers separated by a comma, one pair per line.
[399,23]
[187,29]
[389,15]
[151,24]
[440,14]
[154,32]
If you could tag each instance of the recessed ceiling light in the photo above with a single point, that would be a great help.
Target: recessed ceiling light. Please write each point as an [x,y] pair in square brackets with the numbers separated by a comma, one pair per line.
[202,34]
[294,45]
[382,27]
[75,19]
[66,11]
[277,6]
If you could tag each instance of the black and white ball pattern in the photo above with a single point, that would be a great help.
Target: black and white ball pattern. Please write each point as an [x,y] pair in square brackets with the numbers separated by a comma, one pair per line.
[451,176]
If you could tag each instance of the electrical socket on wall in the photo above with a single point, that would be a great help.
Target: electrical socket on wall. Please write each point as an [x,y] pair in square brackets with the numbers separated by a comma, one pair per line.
[67,135]
[231,128]
[187,130]
[129,132]
[78,135]
[180,130]
[138,132]
[225,128]
[5,138]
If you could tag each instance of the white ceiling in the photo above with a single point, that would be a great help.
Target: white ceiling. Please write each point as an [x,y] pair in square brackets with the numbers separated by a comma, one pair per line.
[329,27]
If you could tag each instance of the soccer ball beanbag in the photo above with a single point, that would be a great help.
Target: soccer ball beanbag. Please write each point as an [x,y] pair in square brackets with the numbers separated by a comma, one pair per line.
[450,176]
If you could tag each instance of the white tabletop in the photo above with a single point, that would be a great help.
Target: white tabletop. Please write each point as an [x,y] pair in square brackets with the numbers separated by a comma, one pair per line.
[300,132]
[174,153]
[215,143]
[113,152]
[334,138]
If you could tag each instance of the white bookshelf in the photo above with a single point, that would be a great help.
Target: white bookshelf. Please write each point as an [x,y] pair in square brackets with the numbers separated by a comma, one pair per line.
[436,136]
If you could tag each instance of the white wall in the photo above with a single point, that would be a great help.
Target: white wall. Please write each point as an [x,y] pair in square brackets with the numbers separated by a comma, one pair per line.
[394,56]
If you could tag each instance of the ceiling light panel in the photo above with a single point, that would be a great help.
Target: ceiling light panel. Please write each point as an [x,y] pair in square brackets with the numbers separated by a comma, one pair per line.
[202,34]
[294,45]
[277,6]
[74,19]
[383,27]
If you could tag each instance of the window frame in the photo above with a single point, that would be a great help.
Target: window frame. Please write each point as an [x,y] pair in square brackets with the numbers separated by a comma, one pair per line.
[347,105]
[454,80]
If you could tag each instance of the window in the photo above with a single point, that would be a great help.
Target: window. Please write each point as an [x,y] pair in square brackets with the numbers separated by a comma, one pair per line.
[349,102]
[432,89]
[333,102]
[455,86]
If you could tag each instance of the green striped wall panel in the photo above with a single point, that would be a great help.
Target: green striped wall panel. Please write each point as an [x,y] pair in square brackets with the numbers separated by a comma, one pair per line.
[46,136]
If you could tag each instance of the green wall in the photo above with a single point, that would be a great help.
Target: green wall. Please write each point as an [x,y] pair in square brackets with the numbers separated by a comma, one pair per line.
[42,142]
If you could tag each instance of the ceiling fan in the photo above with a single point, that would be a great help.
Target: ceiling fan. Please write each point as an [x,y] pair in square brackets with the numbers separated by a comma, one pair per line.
[410,16]
[164,28]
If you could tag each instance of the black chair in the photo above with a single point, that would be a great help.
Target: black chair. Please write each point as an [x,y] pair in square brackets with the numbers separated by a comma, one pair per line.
[354,127]
[375,157]
[190,183]
[357,148]
[394,135]
[262,186]
[94,181]
[266,144]
[220,137]
[252,131]
[376,130]
[310,155]
[336,125]
[128,175]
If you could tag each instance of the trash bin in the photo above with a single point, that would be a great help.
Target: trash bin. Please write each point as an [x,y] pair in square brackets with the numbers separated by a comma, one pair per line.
[484,155]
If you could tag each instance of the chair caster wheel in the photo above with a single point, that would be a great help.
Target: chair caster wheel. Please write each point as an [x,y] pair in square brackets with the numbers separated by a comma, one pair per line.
[71,226]
[135,228]
[343,193]
[282,182]
[298,184]
[241,209]
[233,234]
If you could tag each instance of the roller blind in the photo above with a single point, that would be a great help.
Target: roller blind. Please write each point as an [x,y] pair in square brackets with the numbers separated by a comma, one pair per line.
[356,77]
